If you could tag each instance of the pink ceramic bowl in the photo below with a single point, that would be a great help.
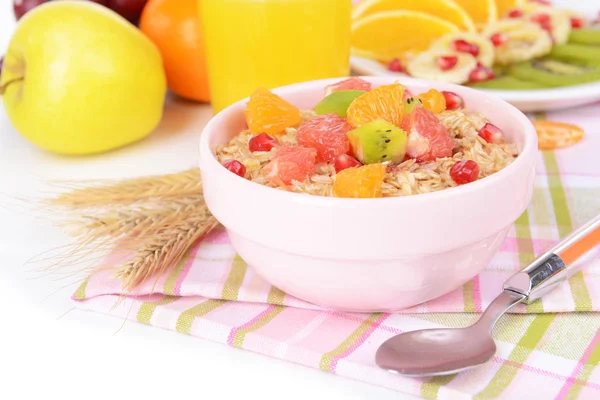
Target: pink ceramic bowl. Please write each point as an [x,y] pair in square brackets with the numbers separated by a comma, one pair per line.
[369,254]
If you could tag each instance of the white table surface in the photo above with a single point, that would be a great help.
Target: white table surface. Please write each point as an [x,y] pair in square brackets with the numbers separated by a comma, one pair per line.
[47,354]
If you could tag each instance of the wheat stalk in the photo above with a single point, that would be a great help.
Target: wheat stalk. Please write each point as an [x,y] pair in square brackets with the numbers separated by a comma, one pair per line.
[159,218]
[131,221]
[164,250]
[132,191]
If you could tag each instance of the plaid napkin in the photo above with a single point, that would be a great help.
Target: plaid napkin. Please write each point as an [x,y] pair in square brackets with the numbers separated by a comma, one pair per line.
[542,349]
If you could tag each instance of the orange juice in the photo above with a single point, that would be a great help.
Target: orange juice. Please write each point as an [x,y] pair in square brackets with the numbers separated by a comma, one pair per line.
[252,43]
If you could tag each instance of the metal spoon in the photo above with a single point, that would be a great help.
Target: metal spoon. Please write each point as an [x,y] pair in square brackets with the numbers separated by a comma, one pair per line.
[431,352]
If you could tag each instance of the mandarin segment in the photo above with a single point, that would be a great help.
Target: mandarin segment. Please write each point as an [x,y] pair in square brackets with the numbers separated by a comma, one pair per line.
[360,182]
[384,102]
[269,113]
[433,101]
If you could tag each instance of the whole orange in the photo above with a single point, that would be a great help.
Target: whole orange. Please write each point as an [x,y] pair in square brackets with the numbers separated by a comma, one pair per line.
[174,26]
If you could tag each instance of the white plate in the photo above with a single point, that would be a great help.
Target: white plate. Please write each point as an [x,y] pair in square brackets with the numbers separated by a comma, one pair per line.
[524,100]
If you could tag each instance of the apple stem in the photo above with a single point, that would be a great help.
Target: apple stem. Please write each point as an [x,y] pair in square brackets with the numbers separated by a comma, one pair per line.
[5,84]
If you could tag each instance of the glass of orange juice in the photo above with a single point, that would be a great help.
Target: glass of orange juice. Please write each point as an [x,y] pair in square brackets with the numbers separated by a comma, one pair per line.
[270,43]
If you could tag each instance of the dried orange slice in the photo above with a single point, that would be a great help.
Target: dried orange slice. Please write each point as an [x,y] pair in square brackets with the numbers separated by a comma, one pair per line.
[447,10]
[269,113]
[384,102]
[555,135]
[481,11]
[387,35]
[361,182]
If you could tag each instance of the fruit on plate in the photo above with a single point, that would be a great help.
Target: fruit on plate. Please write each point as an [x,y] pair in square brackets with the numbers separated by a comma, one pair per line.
[360,182]
[290,163]
[554,135]
[524,40]
[504,6]
[68,92]
[428,139]
[269,113]
[480,11]
[378,141]
[479,46]
[553,20]
[507,83]
[576,53]
[175,28]
[445,9]
[348,84]
[585,36]
[327,135]
[384,102]
[128,9]
[337,102]
[552,73]
[388,35]
[426,65]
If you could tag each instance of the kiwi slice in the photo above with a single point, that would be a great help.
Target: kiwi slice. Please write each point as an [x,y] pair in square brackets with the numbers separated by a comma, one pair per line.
[378,141]
[585,36]
[410,103]
[507,83]
[553,73]
[337,102]
[576,53]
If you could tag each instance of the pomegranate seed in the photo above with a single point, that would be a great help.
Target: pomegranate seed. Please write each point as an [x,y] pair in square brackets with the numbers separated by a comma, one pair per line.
[576,23]
[543,20]
[464,172]
[491,133]
[465,47]
[453,101]
[344,161]
[498,39]
[447,62]
[515,13]
[262,142]
[236,167]
[396,66]
[481,73]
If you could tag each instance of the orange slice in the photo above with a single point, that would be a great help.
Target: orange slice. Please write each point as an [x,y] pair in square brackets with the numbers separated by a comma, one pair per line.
[481,11]
[447,10]
[361,182]
[504,6]
[392,34]
[384,102]
[555,135]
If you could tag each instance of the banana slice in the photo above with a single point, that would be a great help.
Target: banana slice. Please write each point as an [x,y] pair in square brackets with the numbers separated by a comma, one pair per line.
[559,23]
[425,65]
[524,40]
[486,48]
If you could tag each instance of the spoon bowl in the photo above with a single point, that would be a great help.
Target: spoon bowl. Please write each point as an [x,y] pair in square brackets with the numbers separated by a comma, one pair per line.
[436,351]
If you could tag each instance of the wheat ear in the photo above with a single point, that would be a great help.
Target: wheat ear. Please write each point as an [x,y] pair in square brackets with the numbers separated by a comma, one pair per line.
[132,191]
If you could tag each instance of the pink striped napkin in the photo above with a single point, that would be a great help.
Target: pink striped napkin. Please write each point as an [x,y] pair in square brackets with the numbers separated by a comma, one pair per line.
[551,348]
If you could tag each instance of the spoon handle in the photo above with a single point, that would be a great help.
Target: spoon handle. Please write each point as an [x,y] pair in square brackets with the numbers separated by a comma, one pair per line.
[557,264]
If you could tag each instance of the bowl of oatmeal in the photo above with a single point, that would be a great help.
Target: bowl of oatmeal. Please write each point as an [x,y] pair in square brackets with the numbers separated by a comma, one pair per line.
[368,194]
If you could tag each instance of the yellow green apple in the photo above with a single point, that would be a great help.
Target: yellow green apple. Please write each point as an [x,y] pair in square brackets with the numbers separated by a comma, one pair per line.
[80,79]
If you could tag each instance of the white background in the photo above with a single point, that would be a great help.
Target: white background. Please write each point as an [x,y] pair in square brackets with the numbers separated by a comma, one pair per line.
[81,354]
